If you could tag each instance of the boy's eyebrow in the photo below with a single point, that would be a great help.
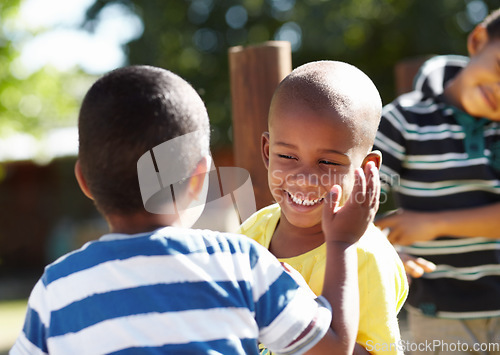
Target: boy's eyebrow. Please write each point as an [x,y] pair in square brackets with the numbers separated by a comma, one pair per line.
[288,145]
[333,151]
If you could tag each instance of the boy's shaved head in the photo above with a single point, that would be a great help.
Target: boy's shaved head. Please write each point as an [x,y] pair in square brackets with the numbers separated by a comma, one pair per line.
[334,85]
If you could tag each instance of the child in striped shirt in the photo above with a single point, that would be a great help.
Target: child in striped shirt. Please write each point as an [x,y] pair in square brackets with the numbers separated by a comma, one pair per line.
[441,148]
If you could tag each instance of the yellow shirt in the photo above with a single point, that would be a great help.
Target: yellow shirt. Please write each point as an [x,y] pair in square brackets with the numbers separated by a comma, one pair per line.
[383,286]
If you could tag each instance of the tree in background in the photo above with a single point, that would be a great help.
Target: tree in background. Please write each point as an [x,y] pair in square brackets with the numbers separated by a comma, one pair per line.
[32,102]
[192,38]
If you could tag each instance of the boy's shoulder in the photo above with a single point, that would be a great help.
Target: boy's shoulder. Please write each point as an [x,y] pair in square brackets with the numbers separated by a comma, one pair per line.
[377,255]
[436,71]
[424,105]
[263,215]
[375,243]
[164,241]
[428,84]
[260,226]
[430,81]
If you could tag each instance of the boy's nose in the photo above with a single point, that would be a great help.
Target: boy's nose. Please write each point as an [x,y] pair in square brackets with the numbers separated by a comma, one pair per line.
[313,179]
[306,177]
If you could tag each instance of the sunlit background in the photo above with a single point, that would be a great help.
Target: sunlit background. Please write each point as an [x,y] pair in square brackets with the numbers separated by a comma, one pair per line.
[51,51]
[65,46]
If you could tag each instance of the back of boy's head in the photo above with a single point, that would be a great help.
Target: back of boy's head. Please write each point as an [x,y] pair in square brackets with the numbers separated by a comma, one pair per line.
[335,85]
[492,24]
[126,113]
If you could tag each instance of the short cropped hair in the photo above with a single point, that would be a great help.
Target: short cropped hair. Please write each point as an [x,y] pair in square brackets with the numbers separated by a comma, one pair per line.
[126,113]
[492,24]
[338,85]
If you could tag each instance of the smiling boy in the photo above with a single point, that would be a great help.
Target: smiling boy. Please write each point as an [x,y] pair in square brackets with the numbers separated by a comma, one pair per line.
[322,123]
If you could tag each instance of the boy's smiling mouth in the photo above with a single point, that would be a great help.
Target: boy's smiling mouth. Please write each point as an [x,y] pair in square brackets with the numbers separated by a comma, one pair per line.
[304,201]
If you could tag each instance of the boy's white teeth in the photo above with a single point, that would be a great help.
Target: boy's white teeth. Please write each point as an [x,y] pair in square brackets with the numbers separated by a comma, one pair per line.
[304,202]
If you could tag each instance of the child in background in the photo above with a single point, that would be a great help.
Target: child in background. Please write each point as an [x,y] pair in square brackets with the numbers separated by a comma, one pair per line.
[322,123]
[146,288]
[441,146]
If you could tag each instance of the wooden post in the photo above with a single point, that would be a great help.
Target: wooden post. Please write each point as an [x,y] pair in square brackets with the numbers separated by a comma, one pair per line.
[255,72]
[405,71]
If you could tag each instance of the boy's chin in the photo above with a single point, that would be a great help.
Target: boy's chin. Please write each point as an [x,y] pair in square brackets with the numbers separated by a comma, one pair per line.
[302,221]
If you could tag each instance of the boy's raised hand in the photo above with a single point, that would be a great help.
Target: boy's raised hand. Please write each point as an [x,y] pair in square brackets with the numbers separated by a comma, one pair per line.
[342,227]
[349,222]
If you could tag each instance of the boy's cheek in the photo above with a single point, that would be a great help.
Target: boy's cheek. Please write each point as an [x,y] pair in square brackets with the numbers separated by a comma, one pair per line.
[275,176]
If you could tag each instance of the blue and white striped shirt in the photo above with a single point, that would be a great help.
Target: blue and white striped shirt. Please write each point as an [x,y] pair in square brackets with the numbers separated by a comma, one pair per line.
[177,291]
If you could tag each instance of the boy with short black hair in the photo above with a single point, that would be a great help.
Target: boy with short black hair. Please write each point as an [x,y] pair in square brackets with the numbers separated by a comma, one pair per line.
[147,288]
[441,146]
[322,123]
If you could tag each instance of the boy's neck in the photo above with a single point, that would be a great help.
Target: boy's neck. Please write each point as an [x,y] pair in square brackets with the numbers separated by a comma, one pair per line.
[451,93]
[289,241]
[138,223]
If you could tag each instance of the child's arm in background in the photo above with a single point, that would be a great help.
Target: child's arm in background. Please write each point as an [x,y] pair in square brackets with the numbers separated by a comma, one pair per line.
[342,228]
[407,227]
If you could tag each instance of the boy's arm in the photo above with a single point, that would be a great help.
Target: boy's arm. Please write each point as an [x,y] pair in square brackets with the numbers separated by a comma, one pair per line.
[32,339]
[407,227]
[343,226]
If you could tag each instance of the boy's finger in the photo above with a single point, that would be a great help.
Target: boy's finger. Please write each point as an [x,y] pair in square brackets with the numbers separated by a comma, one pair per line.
[413,269]
[358,194]
[370,182]
[373,183]
[426,265]
[332,201]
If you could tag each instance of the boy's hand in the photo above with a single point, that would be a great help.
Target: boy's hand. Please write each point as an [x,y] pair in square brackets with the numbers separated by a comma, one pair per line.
[407,227]
[349,222]
[416,267]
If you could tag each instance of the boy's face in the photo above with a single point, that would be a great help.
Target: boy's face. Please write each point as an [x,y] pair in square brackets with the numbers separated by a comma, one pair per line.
[307,152]
[480,88]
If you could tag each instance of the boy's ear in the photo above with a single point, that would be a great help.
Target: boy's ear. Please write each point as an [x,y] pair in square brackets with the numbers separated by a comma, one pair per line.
[81,180]
[477,39]
[374,156]
[198,178]
[265,148]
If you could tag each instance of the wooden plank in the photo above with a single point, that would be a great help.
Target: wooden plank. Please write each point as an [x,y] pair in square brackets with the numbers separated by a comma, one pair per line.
[255,72]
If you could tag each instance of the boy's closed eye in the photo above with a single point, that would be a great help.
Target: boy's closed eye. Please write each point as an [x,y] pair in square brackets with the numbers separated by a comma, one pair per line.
[328,162]
[285,156]
[290,157]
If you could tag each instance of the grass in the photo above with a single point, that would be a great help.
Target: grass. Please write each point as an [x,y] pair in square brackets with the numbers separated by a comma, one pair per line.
[11,322]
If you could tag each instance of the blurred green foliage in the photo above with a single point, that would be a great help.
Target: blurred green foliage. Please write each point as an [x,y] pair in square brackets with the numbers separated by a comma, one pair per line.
[192,37]
[33,102]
